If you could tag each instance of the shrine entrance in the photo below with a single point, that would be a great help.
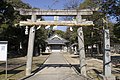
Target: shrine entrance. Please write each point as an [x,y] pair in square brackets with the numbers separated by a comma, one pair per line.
[78,22]
[55,43]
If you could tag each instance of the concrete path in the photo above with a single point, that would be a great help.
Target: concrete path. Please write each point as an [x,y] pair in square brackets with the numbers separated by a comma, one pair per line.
[56,68]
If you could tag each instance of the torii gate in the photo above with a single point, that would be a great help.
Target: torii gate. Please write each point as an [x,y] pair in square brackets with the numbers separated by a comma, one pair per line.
[79,22]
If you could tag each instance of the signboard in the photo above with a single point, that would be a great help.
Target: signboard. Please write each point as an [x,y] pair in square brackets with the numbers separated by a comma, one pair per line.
[3,50]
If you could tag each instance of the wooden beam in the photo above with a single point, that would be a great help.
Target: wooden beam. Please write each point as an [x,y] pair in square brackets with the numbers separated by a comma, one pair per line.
[58,23]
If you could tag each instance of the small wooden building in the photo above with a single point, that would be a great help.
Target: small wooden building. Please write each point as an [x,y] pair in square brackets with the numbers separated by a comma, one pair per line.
[56,44]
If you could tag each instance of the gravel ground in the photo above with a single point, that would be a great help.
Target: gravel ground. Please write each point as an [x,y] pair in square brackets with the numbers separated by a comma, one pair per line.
[94,66]
[16,67]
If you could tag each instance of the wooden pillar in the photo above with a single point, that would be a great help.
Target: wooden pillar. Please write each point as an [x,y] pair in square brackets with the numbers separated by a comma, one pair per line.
[30,47]
[81,51]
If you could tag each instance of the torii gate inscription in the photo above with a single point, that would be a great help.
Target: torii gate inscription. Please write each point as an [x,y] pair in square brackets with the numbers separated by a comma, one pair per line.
[79,22]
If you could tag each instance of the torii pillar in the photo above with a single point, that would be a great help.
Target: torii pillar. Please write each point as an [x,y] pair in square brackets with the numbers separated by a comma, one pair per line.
[30,47]
[81,51]
[81,47]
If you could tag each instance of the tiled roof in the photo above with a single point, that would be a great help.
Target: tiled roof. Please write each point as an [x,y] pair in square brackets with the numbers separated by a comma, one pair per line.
[56,42]
[55,39]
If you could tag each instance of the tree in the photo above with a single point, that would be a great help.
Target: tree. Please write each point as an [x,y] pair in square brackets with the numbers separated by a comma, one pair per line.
[89,4]
[8,31]
[6,14]
[18,4]
[116,31]
[111,10]
[111,7]
[40,38]
[71,36]
[15,35]
[59,32]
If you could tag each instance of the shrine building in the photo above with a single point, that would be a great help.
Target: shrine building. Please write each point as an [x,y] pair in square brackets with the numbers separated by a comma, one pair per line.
[56,44]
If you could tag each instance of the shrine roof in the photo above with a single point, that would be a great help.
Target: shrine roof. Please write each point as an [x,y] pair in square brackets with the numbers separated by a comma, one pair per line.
[56,39]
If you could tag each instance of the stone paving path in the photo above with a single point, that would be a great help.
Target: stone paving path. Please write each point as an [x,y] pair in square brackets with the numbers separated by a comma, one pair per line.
[56,68]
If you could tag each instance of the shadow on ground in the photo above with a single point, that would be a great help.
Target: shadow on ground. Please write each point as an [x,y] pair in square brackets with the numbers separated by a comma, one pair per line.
[52,65]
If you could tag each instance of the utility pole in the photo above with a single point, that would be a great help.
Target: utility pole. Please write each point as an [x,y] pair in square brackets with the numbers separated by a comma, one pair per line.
[30,47]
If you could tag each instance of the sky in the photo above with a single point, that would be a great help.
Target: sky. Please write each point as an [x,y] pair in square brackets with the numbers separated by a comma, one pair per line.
[49,4]
[46,4]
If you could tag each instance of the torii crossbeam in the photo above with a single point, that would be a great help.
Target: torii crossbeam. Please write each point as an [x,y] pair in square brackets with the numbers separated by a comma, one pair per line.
[63,12]
[58,23]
